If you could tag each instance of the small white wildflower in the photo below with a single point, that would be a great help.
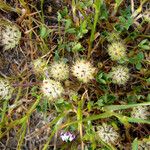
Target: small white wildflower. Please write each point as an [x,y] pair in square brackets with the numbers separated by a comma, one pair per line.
[10,36]
[59,71]
[5,89]
[117,51]
[119,75]
[40,66]
[108,134]
[83,70]
[140,112]
[145,145]
[52,89]
[67,136]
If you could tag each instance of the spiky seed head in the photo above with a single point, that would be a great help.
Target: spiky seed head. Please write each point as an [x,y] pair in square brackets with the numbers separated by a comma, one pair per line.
[10,36]
[52,89]
[113,36]
[59,71]
[144,145]
[5,89]
[140,112]
[119,75]
[117,51]
[40,65]
[108,134]
[83,70]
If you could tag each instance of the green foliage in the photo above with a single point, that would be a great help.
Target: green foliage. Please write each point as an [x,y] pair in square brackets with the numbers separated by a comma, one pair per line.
[144,44]
[75,30]
[102,78]
[137,60]
[62,105]
[135,144]
[125,20]
[106,99]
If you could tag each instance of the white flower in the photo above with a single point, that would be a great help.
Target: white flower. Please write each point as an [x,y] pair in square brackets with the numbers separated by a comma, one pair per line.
[83,70]
[119,75]
[5,89]
[59,71]
[67,136]
[10,36]
[117,51]
[52,89]
[145,145]
[40,66]
[140,112]
[107,134]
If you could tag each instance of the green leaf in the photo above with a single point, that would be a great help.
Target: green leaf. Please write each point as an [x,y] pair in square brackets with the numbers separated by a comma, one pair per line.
[120,107]
[140,56]
[138,66]
[59,17]
[77,47]
[135,144]
[145,44]
[71,30]
[104,12]
[43,31]
[68,23]
[118,2]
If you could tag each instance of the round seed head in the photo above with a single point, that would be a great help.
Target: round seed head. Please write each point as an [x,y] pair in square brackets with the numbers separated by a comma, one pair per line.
[10,36]
[119,75]
[83,70]
[145,145]
[51,89]
[59,71]
[117,51]
[5,89]
[108,134]
[140,112]
[40,66]
[113,36]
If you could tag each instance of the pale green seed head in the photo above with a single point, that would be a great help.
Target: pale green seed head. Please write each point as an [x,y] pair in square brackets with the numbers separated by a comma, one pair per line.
[113,36]
[119,75]
[39,66]
[140,112]
[108,134]
[83,70]
[117,51]
[59,71]
[10,36]
[5,89]
[52,89]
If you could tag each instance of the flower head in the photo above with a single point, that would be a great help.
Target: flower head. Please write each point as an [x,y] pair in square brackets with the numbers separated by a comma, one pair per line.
[144,145]
[117,51]
[52,89]
[67,136]
[40,66]
[83,70]
[119,75]
[113,36]
[107,134]
[5,89]
[59,70]
[140,112]
[10,36]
